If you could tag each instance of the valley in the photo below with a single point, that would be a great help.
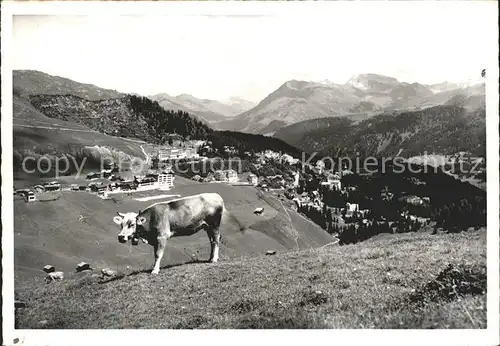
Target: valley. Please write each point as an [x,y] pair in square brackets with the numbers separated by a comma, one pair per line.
[290,165]
[309,216]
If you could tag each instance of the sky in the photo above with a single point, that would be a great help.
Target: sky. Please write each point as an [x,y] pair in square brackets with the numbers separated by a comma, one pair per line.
[218,57]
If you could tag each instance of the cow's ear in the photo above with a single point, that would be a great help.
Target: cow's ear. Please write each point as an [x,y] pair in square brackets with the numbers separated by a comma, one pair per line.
[141,220]
[118,220]
[121,214]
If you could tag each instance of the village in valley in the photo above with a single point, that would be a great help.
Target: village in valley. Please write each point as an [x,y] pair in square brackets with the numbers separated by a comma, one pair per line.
[328,197]
[222,170]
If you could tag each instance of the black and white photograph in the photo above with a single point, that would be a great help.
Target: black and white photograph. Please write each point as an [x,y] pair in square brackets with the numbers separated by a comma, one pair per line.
[235,165]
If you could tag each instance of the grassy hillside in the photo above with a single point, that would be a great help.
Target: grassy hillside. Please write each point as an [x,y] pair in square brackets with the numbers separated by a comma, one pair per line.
[79,227]
[101,109]
[128,116]
[59,118]
[34,129]
[397,281]
[36,134]
[30,82]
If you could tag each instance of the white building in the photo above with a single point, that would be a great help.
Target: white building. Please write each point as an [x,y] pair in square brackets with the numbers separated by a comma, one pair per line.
[220,176]
[351,207]
[30,197]
[334,182]
[252,179]
[296,179]
[229,150]
[166,180]
[177,154]
[196,143]
[226,176]
[320,166]
[232,176]
[269,154]
[285,158]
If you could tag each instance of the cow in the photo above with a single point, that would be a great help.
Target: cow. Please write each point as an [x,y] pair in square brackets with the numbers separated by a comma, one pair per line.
[175,218]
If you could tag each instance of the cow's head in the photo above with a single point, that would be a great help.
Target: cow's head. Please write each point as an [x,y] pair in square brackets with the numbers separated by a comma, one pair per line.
[128,223]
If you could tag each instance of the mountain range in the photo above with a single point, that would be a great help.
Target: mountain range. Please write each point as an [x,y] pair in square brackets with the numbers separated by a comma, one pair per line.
[445,130]
[372,114]
[55,117]
[360,97]
[32,82]
[208,111]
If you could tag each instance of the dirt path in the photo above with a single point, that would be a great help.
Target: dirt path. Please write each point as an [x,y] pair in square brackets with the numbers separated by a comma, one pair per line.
[148,158]
[56,127]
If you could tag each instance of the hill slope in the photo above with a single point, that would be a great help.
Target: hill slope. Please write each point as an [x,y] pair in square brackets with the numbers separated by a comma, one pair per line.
[210,111]
[366,94]
[31,82]
[35,134]
[129,116]
[440,129]
[79,227]
[294,101]
[58,117]
[100,109]
[404,282]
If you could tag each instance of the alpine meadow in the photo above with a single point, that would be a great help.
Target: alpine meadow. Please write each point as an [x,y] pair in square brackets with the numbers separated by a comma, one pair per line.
[251,171]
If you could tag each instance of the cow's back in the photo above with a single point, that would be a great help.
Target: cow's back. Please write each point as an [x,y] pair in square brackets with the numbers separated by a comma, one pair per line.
[188,211]
[213,200]
[206,200]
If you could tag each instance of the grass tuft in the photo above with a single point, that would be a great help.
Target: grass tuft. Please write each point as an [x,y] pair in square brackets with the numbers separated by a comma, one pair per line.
[453,282]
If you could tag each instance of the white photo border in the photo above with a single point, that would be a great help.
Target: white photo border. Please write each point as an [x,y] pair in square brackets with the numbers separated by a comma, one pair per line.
[489,336]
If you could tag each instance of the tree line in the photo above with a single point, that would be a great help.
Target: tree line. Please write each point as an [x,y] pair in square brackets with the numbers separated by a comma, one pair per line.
[454,205]
[357,227]
[162,123]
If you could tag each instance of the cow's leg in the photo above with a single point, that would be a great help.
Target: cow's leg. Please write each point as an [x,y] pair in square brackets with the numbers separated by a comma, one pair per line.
[216,246]
[159,250]
[214,236]
[204,225]
[212,244]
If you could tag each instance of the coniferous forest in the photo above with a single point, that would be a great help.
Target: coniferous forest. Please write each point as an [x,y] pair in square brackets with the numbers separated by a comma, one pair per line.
[452,205]
[163,122]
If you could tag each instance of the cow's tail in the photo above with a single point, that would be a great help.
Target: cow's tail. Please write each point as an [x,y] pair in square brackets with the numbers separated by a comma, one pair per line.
[229,219]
